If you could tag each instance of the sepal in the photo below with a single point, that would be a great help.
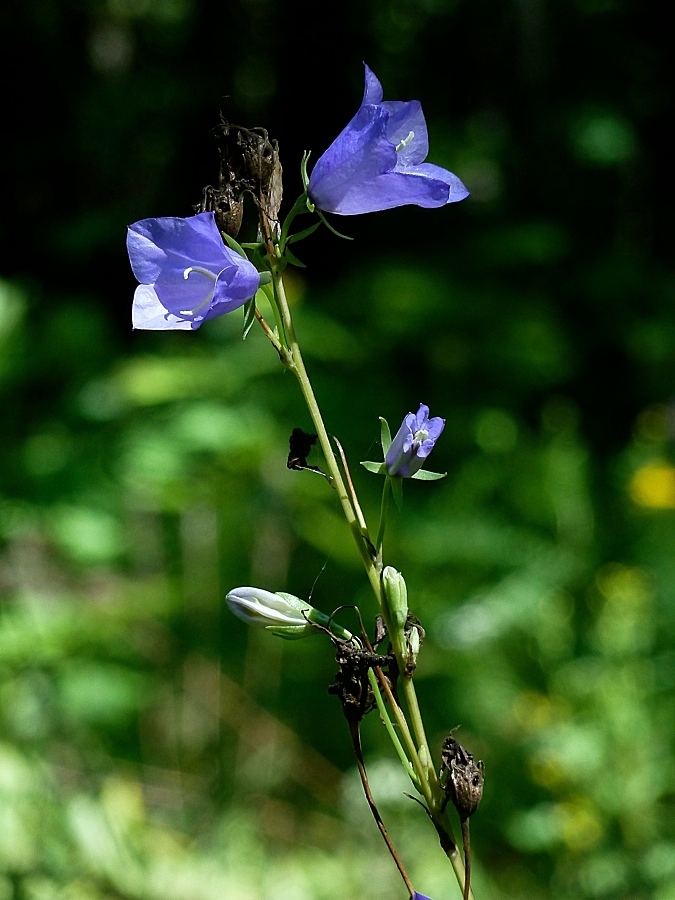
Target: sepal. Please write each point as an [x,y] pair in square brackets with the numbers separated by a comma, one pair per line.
[249,317]
[397,491]
[378,468]
[385,436]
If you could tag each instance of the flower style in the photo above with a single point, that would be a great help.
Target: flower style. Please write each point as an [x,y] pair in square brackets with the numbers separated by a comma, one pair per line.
[413,442]
[186,273]
[377,162]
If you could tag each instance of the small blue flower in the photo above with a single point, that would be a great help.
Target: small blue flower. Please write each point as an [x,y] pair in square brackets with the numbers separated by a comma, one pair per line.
[414,441]
[377,162]
[418,896]
[186,273]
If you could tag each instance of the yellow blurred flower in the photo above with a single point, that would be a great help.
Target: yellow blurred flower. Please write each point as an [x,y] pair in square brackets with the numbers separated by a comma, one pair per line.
[653,485]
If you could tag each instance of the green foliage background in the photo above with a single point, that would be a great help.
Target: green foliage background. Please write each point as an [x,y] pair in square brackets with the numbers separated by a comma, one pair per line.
[150,745]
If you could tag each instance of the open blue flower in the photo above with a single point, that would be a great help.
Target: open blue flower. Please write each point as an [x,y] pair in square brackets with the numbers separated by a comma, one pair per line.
[186,273]
[377,162]
[414,441]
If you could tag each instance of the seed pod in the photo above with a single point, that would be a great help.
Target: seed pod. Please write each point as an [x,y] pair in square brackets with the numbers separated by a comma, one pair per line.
[461,777]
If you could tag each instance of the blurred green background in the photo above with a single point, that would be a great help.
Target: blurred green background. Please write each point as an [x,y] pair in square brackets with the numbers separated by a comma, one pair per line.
[151,747]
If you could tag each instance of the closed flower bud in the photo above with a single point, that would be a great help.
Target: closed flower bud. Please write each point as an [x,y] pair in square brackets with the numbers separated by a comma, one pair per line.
[282,614]
[397,596]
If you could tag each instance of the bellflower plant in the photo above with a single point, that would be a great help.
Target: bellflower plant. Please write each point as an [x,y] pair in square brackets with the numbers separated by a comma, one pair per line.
[187,274]
[377,161]
[413,442]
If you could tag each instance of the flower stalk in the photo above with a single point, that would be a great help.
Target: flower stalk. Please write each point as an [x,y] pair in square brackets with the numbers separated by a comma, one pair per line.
[191,270]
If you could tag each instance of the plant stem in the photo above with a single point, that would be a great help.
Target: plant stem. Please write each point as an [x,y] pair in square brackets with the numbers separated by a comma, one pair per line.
[386,491]
[298,368]
[384,715]
[417,749]
[356,742]
[467,857]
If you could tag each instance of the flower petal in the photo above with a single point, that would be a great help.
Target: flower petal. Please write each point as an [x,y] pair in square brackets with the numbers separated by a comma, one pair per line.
[189,274]
[359,154]
[171,242]
[362,170]
[408,451]
[406,117]
[457,191]
[391,190]
[236,283]
[149,314]
[373,92]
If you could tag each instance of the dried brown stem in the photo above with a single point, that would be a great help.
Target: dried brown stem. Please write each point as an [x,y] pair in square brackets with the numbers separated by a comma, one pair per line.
[467,857]
[356,742]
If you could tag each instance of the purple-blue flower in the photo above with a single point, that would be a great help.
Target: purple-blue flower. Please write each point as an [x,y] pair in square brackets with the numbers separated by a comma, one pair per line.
[186,273]
[377,162]
[418,896]
[414,441]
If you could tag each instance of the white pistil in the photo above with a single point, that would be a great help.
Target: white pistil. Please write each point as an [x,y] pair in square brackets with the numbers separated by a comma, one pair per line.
[205,302]
[200,271]
[405,141]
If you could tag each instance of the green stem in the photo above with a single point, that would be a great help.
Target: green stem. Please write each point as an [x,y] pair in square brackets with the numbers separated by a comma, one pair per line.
[386,491]
[268,290]
[420,737]
[384,715]
[298,368]
[419,755]
[373,568]
[299,207]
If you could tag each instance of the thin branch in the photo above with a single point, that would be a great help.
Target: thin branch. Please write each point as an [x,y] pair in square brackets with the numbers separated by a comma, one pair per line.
[356,742]
[467,857]
[350,487]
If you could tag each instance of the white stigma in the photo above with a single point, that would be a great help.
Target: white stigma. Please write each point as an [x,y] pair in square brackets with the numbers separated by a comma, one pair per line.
[209,296]
[200,271]
[405,141]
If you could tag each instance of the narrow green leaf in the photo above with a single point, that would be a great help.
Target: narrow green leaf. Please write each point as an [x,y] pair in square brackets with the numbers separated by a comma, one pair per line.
[301,235]
[385,435]
[397,491]
[303,169]
[377,468]
[233,245]
[330,227]
[423,475]
[293,259]
[249,316]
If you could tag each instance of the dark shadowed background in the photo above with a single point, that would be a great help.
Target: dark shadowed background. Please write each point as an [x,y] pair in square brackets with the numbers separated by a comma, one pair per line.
[150,745]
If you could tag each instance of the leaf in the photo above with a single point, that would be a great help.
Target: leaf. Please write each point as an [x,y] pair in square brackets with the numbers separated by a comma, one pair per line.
[423,475]
[233,245]
[249,316]
[375,467]
[330,227]
[303,169]
[385,435]
[301,235]
[397,491]
[293,259]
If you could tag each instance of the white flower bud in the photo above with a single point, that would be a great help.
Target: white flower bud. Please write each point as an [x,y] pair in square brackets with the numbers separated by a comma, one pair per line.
[282,614]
